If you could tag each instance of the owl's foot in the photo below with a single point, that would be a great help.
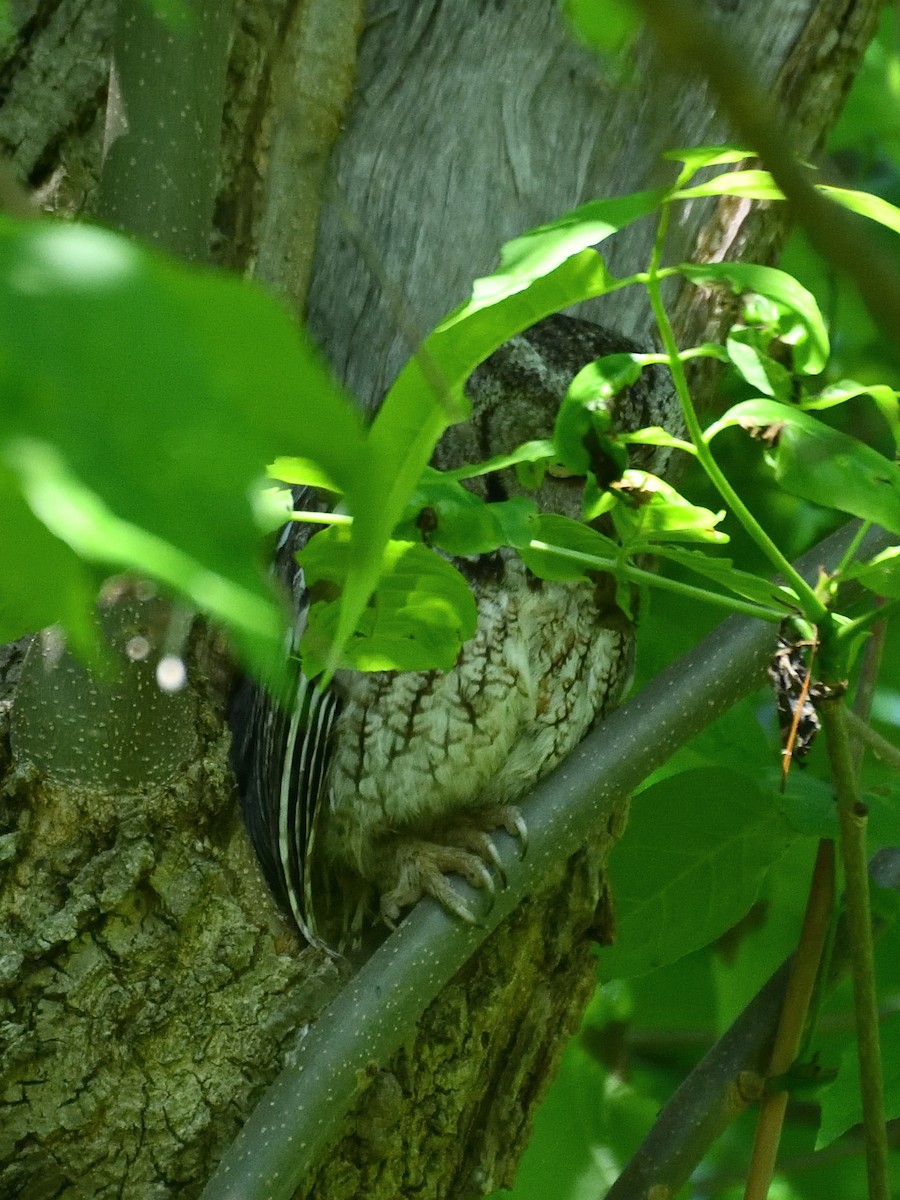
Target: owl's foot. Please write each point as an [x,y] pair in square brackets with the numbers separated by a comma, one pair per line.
[416,867]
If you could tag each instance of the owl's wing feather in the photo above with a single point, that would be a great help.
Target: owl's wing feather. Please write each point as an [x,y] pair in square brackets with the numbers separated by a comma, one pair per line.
[282,758]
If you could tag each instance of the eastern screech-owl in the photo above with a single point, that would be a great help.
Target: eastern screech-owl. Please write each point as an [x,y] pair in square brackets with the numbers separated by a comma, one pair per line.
[362,799]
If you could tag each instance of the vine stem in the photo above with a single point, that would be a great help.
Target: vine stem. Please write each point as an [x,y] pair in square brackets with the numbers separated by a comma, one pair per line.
[813,606]
[853,818]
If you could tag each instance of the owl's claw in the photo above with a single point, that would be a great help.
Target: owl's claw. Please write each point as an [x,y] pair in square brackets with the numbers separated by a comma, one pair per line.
[420,869]
[508,817]
[414,867]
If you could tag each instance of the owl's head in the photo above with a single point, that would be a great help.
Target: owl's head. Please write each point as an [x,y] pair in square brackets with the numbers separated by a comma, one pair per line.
[516,394]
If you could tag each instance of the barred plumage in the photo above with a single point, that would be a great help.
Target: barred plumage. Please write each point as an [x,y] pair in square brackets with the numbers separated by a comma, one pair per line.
[365,796]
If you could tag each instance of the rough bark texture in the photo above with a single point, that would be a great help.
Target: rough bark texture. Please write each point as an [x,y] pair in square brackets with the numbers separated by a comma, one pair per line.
[149,987]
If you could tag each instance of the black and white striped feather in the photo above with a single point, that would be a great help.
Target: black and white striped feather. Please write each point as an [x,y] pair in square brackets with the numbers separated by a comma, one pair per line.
[281,751]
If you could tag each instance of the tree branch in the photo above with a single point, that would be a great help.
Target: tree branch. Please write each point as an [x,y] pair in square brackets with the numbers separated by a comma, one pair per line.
[163,124]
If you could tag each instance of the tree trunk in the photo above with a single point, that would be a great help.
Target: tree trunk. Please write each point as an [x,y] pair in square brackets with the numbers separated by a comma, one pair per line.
[150,987]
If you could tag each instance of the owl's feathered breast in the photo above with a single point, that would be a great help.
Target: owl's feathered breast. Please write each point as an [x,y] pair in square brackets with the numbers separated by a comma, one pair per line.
[410,749]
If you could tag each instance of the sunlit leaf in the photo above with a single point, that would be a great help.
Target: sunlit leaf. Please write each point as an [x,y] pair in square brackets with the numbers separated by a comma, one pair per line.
[751,184]
[162,392]
[722,571]
[655,435]
[81,519]
[584,436]
[755,366]
[811,347]
[584,546]
[697,157]
[529,452]
[656,512]
[448,516]
[302,472]
[417,618]
[821,464]
[535,254]
[847,389]
[880,574]
[44,581]
[866,205]
[541,272]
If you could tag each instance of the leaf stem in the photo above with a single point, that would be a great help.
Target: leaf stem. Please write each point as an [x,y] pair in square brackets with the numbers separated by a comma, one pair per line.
[851,550]
[321,518]
[813,607]
[853,817]
[842,632]
[637,575]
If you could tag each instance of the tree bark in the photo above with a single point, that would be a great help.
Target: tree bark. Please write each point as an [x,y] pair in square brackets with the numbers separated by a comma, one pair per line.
[150,988]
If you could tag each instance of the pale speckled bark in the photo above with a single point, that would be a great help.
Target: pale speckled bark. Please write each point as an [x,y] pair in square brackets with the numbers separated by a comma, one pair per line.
[149,988]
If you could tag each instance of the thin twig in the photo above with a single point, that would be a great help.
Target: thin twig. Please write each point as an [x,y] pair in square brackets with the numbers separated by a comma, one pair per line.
[853,817]
[884,750]
[804,972]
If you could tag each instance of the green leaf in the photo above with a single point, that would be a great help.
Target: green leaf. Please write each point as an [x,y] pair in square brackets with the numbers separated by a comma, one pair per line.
[81,519]
[742,583]
[272,507]
[655,435]
[820,464]
[811,345]
[529,258]
[541,451]
[751,184]
[841,1105]
[162,392]
[541,272]
[451,518]
[417,619]
[689,865]
[755,366]
[880,574]
[697,157]
[301,472]
[807,802]
[44,581]
[847,389]
[584,437]
[572,537]
[606,27]
[658,513]
[865,204]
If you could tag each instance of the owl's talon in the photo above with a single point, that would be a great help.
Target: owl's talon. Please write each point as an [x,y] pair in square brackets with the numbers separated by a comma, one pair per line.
[418,868]
[520,832]
[508,817]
